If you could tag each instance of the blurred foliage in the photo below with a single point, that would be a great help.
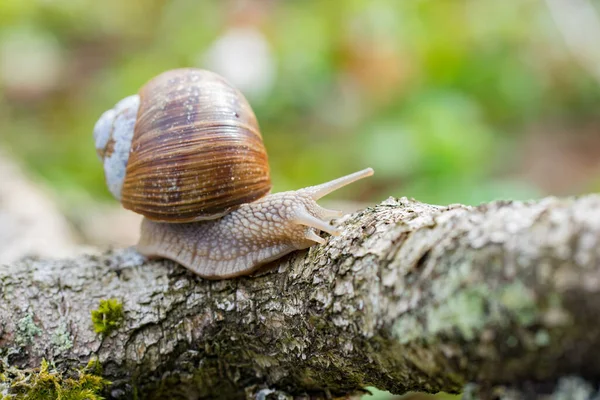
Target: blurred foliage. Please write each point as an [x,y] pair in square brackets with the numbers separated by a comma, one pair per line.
[439,97]
[449,101]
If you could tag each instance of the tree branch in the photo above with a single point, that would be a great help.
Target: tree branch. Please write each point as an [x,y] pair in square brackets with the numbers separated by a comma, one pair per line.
[410,297]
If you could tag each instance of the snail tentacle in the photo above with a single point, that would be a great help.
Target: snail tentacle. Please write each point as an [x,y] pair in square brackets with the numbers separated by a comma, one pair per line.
[311,235]
[306,219]
[322,190]
[326,213]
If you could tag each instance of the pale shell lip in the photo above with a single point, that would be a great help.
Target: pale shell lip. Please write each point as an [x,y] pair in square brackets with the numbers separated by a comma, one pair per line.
[102,130]
[112,136]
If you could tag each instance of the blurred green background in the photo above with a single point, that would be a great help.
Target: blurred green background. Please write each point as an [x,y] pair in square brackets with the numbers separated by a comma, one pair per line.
[450,101]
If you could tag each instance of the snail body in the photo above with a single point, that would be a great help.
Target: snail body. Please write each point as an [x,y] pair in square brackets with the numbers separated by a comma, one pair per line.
[186,153]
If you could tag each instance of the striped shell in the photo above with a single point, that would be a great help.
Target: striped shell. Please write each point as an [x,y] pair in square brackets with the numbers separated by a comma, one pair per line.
[196,151]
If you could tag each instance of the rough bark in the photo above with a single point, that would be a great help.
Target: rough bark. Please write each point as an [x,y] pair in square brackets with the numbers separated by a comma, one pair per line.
[410,297]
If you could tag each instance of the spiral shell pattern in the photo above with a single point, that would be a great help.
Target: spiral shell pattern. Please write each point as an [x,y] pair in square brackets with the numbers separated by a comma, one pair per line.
[196,151]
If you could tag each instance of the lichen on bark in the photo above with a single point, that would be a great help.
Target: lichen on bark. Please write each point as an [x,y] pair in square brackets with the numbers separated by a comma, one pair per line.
[410,297]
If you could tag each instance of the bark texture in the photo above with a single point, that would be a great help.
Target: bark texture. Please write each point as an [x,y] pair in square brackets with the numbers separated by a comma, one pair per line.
[410,297]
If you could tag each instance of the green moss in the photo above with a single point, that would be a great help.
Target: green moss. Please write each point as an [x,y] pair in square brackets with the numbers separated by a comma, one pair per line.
[46,382]
[108,316]
[264,361]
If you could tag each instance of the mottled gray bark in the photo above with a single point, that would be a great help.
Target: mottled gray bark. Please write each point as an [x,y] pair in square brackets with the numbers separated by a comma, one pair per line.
[410,297]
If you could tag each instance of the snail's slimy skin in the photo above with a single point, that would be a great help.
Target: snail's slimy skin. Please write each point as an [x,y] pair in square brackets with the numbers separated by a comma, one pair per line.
[248,237]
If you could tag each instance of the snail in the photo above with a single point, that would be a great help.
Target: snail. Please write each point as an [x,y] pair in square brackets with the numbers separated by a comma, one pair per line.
[187,154]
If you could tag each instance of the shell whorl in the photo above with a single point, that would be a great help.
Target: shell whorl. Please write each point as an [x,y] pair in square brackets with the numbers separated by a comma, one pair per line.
[112,135]
[196,151]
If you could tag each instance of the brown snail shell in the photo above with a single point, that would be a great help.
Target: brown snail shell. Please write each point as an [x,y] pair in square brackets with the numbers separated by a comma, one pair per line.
[196,151]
